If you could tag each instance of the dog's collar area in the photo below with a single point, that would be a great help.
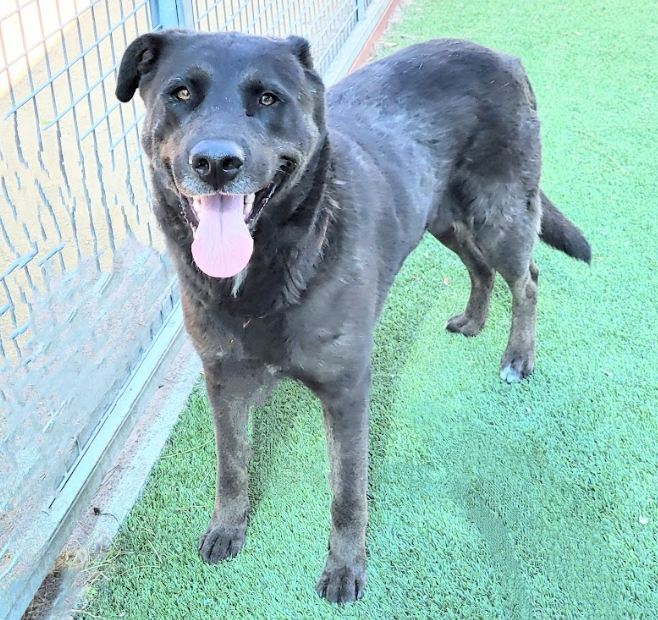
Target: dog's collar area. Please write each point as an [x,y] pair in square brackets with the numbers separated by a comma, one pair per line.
[319,244]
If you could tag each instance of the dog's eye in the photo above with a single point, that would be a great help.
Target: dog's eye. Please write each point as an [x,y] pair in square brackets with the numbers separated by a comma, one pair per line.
[268,99]
[182,94]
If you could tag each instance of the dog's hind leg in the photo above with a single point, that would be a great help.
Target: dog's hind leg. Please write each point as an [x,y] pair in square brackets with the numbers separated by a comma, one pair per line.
[460,241]
[519,357]
[506,240]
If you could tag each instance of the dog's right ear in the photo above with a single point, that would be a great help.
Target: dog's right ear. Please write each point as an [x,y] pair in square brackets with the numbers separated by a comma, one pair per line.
[138,60]
[302,49]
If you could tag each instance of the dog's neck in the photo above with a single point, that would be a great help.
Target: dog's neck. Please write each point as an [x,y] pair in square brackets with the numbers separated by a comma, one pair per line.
[289,241]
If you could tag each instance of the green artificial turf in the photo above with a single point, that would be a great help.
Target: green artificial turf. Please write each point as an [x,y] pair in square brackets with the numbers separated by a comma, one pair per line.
[487,501]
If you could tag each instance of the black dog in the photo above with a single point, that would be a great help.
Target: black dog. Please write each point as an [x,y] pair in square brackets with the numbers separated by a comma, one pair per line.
[288,219]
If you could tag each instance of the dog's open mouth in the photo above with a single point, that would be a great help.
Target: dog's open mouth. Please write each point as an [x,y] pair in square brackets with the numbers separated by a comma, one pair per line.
[221,225]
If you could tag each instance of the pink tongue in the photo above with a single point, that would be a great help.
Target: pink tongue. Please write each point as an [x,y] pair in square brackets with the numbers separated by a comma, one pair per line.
[222,245]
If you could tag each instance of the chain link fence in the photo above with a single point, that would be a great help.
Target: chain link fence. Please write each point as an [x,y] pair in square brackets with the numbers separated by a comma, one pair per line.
[85,289]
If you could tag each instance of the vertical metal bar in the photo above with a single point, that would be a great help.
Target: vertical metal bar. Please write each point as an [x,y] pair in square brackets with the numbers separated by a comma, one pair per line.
[85,176]
[58,133]
[156,20]
[225,15]
[360,10]
[217,25]
[122,120]
[164,13]
[171,13]
[108,18]
[185,13]
[99,164]
[7,239]
[35,108]
[99,60]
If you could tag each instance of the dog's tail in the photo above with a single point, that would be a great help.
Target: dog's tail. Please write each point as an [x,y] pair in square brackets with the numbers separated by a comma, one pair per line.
[558,232]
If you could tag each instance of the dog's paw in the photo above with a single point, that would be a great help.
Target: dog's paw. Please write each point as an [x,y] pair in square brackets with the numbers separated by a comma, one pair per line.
[516,366]
[342,582]
[465,324]
[221,542]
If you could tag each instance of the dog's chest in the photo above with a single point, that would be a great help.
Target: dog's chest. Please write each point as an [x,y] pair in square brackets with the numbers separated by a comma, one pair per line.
[262,339]
[281,344]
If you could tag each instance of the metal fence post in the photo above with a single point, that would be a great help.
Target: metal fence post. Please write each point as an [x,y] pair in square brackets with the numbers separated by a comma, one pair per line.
[360,10]
[185,13]
[172,13]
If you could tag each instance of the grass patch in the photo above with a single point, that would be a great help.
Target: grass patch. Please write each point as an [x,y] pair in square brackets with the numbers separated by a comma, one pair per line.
[488,501]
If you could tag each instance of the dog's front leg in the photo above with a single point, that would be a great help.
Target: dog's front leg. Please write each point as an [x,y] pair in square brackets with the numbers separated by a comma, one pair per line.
[346,424]
[231,386]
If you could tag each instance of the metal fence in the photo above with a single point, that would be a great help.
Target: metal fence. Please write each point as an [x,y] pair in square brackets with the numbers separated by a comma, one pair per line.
[84,286]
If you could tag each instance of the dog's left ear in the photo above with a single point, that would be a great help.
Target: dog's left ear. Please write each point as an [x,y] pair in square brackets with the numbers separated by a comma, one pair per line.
[302,49]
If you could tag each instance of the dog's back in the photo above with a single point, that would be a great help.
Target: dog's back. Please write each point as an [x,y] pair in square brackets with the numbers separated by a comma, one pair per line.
[451,109]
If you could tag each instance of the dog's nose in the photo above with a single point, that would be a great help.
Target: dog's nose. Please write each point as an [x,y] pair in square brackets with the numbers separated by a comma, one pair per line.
[217,161]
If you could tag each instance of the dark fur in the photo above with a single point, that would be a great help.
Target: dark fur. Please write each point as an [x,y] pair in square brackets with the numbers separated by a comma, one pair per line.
[442,136]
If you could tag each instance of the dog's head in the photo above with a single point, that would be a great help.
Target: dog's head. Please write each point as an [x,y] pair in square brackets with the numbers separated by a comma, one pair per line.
[231,121]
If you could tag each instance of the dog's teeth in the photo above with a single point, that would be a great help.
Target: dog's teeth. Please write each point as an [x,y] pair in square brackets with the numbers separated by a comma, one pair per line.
[249,203]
